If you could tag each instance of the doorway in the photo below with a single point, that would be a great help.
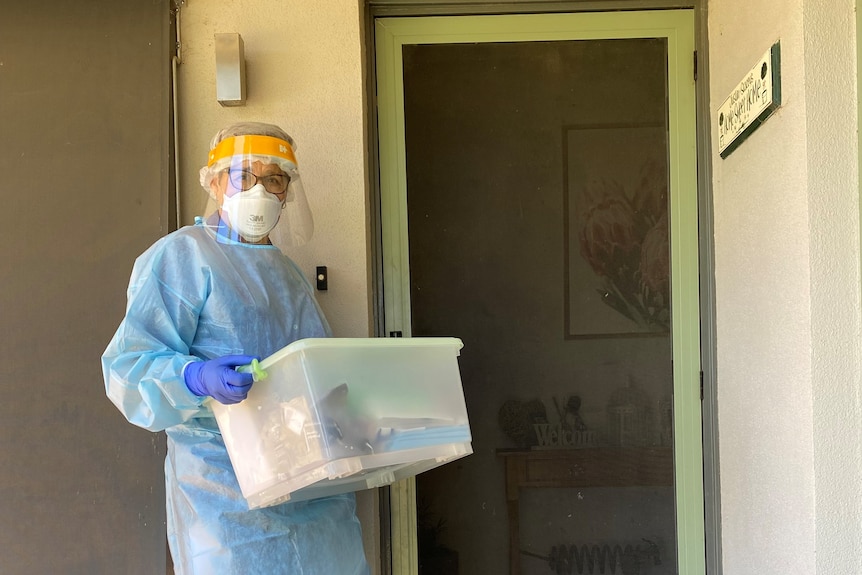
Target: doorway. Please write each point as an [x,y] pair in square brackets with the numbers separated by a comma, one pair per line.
[538,191]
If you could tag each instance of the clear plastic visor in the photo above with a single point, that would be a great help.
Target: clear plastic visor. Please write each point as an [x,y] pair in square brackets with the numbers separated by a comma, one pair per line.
[238,164]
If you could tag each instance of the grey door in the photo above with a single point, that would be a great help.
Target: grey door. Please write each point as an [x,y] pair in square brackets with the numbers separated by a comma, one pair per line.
[84,158]
[546,222]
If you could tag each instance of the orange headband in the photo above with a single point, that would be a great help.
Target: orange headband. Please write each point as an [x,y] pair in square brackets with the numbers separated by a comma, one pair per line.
[251,145]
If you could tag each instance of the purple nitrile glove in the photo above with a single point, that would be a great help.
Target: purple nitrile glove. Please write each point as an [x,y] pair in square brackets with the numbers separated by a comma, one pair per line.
[218,379]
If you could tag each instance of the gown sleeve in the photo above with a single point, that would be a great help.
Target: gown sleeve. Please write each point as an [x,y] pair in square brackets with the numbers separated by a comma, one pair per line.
[143,364]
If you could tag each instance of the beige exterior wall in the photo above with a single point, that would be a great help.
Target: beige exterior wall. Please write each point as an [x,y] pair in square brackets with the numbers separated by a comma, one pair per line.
[786,210]
[787,293]
[305,73]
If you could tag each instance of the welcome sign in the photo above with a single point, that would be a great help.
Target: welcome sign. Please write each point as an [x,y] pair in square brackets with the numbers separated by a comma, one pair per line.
[751,102]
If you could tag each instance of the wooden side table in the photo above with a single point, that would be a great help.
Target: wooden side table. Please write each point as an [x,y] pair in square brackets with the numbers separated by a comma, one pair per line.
[590,467]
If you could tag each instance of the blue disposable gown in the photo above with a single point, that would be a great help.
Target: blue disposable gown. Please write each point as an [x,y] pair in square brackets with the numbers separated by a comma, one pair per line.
[197,294]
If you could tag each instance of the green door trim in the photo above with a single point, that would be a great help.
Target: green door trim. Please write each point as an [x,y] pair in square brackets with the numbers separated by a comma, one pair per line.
[391,34]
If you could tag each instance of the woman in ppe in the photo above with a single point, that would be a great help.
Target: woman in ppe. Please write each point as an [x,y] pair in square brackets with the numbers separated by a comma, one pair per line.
[202,301]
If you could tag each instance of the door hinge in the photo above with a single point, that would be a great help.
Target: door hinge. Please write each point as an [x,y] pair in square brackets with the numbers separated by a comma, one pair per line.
[694,71]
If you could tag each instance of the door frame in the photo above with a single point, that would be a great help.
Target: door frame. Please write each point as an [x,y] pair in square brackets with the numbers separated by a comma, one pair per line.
[698,491]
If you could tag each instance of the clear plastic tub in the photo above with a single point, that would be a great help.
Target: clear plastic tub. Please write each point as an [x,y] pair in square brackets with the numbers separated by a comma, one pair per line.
[342,414]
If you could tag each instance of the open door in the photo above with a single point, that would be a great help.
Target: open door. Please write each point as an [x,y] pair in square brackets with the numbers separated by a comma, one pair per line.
[539,201]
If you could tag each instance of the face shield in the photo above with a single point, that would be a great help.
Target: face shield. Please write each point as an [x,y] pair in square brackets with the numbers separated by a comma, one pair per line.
[256,189]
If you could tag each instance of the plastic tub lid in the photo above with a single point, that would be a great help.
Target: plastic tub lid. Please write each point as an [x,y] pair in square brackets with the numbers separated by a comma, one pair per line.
[360,342]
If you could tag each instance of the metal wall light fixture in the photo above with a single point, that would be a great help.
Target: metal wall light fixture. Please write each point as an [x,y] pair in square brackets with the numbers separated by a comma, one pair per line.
[230,69]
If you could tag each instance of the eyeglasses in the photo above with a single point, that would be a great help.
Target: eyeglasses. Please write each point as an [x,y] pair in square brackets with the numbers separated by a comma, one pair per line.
[243,180]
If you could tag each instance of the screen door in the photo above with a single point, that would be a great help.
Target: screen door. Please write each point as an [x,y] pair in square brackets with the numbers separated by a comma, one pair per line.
[539,202]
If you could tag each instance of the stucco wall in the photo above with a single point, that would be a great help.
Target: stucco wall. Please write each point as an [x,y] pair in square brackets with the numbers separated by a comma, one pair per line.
[305,73]
[787,293]
[833,197]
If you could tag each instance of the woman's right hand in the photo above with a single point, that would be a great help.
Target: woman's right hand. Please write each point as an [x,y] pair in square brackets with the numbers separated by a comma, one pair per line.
[218,378]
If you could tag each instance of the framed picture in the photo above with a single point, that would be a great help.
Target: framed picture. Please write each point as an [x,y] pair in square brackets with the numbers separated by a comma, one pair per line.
[617,268]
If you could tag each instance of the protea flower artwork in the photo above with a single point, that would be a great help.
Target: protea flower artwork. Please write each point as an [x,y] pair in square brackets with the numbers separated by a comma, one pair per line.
[623,236]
